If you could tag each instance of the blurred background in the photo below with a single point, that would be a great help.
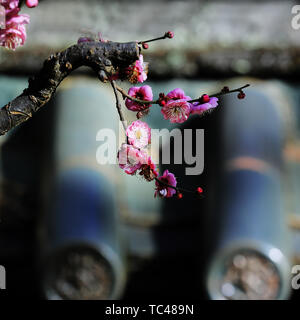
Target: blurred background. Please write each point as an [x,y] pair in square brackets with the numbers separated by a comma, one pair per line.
[71,228]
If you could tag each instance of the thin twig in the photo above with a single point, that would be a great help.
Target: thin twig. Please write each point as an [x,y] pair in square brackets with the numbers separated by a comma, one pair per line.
[118,104]
[178,189]
[222,93]
[154,39]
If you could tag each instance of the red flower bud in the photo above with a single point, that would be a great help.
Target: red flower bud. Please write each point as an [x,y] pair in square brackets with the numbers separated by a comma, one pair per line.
[162,103]
[145,45]
[225,89]
[179,195]
[205,98]
[241,95]
[169,34]
[32,3]
[199,190]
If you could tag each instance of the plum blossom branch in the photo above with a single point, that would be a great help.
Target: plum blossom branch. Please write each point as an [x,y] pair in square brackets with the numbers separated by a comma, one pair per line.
[218,94]
[133,158]
[176,107]
[112,61]
[180,190]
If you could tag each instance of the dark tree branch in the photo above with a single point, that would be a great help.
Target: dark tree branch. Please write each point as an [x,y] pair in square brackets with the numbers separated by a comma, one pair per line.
[103,57]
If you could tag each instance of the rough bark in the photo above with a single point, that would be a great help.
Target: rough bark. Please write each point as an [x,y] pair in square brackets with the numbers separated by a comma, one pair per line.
[102,57]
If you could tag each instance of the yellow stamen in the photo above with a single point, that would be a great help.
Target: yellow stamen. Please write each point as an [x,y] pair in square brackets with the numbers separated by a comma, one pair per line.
[138,134]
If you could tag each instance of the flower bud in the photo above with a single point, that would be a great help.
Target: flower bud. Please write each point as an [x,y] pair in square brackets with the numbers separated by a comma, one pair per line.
[199,190]
[205,98]
[169,34]
[225,89]
[241,95]
[32,3]
[145,45]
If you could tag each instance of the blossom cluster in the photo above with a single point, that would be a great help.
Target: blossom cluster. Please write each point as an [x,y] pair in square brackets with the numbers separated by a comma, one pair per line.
[137,72]
[175,106]
[13,33]
[133,158]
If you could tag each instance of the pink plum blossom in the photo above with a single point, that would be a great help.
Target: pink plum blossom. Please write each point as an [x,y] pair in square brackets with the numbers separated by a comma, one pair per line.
[177,111]
[10,6]
[141,93]
[149,170]
[139,134]
[177,94]
[131,159]
[198,108]
[161,189]
[138,71]
[14,34]
[152,167]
